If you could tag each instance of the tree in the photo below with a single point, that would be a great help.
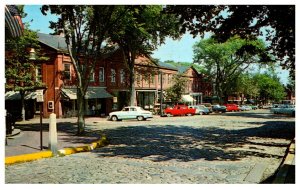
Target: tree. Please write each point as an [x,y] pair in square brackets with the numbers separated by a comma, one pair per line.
[246,85]
[224,62]
[276,23]
[85,28]
[19,69]
[174,92]
[270,87]
[139,32]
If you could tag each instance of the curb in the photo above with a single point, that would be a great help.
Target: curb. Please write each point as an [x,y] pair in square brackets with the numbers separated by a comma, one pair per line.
[288,162]
[63,152]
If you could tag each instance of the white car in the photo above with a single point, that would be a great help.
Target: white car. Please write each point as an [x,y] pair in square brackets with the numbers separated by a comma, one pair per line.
[245,108]
[130,112]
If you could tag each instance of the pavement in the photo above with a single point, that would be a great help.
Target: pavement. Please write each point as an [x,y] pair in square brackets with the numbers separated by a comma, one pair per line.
[26,140]
[26,137]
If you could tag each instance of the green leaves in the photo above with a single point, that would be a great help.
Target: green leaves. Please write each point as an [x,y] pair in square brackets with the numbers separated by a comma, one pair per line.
[174,92]
[19,69]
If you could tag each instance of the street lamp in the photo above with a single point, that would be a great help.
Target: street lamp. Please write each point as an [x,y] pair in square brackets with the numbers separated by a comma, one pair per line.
[32,54]
[39,99]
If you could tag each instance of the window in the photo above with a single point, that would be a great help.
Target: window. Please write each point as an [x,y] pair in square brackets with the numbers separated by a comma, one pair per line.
[133,109]
[113,75]
[38,73]
[67,71]
[92,76]
[101,74]
[122,76]
[152,79]
[159,77]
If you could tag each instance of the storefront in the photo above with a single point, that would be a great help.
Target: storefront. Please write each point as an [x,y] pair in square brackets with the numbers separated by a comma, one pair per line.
[95,103]
[146,98]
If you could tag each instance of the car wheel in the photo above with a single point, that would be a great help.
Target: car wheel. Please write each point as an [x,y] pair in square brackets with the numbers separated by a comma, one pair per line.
[140,118]
[200,113]
[169,115]
[114,118]
[189,114]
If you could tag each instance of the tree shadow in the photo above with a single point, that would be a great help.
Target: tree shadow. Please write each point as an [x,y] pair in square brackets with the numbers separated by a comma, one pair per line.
[185,143]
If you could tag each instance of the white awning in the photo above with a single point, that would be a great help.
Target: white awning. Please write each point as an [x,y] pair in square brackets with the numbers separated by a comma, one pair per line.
[15,95]
[187,98]
[91,93]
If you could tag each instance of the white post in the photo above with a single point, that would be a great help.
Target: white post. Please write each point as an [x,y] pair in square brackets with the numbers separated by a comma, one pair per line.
[53,134]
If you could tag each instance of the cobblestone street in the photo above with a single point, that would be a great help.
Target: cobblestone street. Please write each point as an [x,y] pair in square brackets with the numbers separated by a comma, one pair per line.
[206,149]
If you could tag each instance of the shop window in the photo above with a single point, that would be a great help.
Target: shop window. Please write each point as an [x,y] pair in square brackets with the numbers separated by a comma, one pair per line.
[67,71]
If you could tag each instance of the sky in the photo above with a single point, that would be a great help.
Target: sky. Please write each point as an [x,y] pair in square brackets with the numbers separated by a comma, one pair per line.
[176,50]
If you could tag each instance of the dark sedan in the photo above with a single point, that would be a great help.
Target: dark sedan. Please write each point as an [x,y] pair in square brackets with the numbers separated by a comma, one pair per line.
[218,108]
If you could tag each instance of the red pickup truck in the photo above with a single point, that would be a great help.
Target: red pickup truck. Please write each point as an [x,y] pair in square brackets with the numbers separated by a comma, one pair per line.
[179,110]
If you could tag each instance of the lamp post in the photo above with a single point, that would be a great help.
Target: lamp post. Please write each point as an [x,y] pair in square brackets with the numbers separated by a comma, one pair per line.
[39,99]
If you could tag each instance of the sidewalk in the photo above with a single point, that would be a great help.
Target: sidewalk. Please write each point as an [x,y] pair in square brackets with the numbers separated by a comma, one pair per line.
[27,138]
[286,172]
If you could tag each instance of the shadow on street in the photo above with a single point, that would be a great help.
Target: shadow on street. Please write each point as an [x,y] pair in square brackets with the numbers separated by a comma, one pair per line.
[184,143]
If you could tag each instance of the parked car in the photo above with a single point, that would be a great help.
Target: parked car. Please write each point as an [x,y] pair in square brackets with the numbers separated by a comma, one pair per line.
[200,109]
[245,108]
[232,107]
[130,112]
[254,107]
[284,109]
[209,106]
[179,110]
[218,108]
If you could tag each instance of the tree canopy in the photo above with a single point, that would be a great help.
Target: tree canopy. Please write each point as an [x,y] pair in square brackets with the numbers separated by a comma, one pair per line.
[174,92]
[224,62]
[19,69]
[140,31]
[276,23]
[85,28]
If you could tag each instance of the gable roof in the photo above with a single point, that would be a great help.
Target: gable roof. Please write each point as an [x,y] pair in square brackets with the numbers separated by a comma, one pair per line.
[58,43]
[166,65]
[54,41]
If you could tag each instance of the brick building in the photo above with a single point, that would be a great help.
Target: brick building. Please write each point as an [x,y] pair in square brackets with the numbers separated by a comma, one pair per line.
[108,89]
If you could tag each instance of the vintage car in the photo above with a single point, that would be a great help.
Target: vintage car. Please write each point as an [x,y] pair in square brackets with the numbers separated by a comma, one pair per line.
[208,105]
[217,108]
[200,109]
[284,109]
[245,108]
[232,107]
[179,110]
[130,112]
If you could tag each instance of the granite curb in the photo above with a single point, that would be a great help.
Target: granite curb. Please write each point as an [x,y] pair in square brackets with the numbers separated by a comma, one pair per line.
[62,152]
[285,173]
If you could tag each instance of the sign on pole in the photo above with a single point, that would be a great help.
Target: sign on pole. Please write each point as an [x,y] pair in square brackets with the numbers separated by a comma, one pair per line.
[39,96]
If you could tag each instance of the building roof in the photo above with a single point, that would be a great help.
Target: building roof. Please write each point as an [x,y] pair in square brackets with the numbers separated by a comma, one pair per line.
[58,43]
[55,41]
[182,69]
[166,65]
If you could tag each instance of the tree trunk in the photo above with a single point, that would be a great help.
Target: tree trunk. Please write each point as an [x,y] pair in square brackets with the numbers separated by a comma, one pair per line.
[130,60]
[81,112]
